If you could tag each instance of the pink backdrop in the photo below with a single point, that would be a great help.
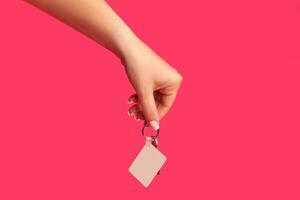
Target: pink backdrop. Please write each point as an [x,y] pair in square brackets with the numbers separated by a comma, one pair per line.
[233,132]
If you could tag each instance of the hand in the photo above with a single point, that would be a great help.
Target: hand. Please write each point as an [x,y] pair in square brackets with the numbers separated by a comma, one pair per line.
[156,84]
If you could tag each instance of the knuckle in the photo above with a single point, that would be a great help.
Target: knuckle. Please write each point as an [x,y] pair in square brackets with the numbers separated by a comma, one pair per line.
[179,78]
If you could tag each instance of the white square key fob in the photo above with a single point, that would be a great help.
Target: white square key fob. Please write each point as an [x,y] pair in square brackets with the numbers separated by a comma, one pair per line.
[148,162]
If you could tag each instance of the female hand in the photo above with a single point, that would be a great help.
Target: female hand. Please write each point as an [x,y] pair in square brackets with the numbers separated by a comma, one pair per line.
[156,84]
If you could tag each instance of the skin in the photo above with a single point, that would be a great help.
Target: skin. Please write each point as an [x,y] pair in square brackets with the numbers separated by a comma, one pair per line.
[156,83]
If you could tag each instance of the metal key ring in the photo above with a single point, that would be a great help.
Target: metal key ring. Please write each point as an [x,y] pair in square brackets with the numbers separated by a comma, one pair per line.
[155,136]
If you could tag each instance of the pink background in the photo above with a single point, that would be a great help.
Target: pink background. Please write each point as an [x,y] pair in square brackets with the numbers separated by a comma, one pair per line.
[233,132]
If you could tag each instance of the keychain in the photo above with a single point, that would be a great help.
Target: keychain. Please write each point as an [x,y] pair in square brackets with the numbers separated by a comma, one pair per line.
[154,140]
[149,161]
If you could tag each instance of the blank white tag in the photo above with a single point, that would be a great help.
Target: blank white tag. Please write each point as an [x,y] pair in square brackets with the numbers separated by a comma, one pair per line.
[146,165]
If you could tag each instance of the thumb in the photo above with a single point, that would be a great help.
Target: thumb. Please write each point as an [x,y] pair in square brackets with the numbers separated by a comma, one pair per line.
[149,109]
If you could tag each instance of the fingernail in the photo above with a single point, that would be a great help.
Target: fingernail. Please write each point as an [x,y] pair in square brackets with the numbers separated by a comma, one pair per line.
[154,124]
[130,101]
[136,118]
[129,114]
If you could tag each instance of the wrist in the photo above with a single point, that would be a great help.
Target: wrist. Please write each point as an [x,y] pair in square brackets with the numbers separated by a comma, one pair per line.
[128,48]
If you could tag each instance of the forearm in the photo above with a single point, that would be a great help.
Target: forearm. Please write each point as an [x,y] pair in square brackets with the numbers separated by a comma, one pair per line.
[95,19]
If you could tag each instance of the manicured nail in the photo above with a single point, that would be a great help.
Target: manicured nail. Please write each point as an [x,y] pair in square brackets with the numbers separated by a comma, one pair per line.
[136,118]
[131,101]
[154,124]
[129,114]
